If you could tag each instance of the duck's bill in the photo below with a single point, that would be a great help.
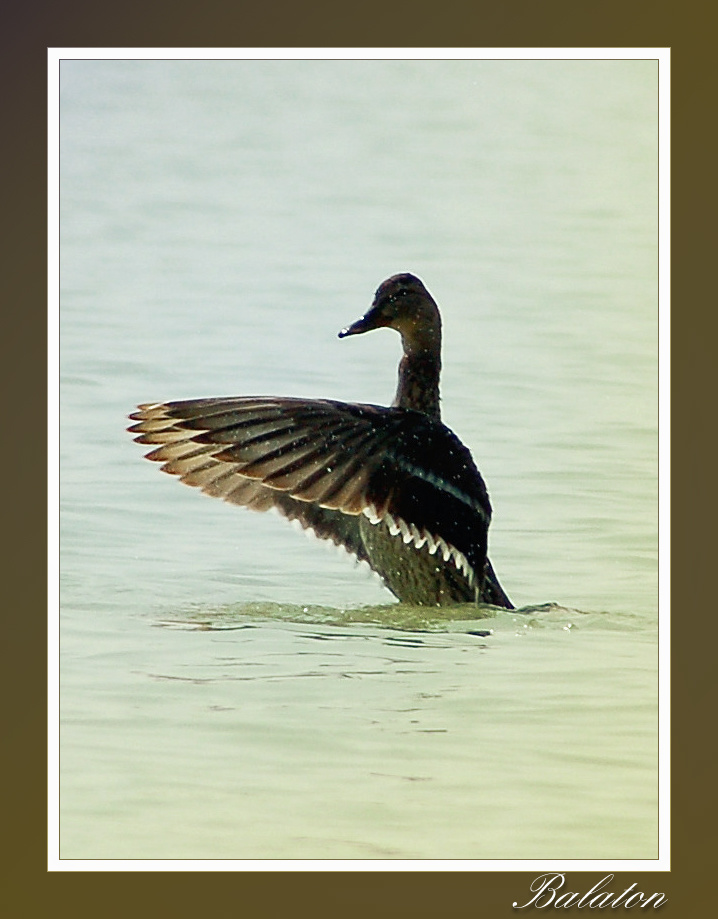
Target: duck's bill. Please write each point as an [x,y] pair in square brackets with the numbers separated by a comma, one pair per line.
[367,322]
[356,328]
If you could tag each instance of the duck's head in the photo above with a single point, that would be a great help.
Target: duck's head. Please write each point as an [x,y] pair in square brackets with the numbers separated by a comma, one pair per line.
[402,303]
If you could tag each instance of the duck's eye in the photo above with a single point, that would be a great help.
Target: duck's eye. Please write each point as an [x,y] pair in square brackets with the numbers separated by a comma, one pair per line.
[392,298]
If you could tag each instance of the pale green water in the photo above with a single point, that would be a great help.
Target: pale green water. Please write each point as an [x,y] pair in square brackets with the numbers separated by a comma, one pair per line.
[231,690]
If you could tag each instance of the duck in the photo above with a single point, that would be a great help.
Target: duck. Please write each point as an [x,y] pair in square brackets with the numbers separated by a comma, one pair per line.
[393,485]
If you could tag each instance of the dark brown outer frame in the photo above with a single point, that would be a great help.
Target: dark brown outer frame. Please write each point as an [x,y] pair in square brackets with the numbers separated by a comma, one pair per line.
[27,30]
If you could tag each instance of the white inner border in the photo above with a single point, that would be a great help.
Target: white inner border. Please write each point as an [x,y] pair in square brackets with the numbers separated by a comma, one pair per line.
[662,56]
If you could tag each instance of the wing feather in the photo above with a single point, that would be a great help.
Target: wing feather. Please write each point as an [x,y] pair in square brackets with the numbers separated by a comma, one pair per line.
[323,463]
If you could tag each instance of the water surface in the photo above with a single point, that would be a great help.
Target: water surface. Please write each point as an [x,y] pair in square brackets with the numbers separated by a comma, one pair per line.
[231,689]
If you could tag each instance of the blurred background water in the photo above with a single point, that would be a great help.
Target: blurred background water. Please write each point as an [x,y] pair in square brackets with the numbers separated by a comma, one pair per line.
[230,689]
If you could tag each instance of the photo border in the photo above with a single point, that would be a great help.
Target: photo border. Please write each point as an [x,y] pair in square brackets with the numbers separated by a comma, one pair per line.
[33,890]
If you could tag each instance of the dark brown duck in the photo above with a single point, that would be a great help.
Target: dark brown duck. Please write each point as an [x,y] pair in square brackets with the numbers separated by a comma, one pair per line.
[394,486]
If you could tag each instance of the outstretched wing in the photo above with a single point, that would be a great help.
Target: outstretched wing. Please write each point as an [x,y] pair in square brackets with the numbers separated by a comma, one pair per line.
[323,463]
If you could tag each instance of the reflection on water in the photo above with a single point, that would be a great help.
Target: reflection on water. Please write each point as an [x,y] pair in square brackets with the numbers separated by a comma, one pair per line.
[396,615]
[229,691]
[461,618]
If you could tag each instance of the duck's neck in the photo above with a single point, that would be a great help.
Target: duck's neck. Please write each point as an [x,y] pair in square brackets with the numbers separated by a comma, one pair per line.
[418,387]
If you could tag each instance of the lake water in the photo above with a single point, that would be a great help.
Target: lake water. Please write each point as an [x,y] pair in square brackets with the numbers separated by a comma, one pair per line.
[233,690]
